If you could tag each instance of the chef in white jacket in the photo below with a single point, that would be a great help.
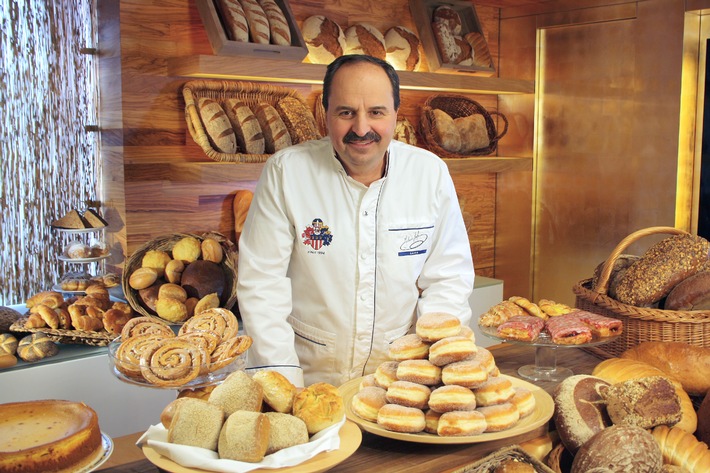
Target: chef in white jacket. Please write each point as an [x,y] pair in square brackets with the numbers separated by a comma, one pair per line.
[349,238]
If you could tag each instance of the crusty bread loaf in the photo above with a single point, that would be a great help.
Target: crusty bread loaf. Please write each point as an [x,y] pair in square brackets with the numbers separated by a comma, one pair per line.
[692,293]
[298,118]
[364,38]
[619,448]
[481,54]
[238,392]
[286,431]
[465,57]
[250,138]
[689,364]
[447,15]
[621,263]
[217,125]
[473,132]
[446,42]
[320,405]
[661,267]
[404,131]
[682,449]
[276,136]
[445,131]
[240,208]
[402,48]
[278,26]
[259,31]
[234,19]
[324,39]
[244,437]
[616,370]
[644,402]
[196,423]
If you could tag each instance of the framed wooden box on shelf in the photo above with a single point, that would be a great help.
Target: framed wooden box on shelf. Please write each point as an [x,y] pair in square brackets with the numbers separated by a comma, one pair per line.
[223,45]
[470,34]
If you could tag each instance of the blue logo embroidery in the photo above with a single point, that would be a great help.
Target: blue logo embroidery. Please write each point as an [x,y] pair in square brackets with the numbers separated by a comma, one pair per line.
[317,235]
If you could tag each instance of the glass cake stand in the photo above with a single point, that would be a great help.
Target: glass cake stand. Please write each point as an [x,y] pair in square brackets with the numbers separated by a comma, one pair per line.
[545,367]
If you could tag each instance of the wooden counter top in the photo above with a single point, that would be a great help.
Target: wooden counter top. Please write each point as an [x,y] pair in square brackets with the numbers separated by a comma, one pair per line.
[393,456]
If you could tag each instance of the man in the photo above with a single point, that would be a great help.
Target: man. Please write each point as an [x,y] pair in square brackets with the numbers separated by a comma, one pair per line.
[344,232]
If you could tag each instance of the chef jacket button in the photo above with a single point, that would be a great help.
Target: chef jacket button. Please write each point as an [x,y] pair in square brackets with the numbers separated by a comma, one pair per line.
[363,256]
[364,213]
[363,297]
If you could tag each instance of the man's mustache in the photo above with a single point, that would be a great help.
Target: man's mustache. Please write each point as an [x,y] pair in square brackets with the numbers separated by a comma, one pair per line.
[352,137]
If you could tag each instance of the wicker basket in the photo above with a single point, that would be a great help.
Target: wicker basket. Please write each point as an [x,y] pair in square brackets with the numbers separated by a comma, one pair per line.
[641,324]
[458,106]
[166,243]
[490,462]
[221,90]
[560,459]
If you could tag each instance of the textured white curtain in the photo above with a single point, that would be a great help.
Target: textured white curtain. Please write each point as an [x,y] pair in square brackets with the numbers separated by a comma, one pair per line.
[49,163]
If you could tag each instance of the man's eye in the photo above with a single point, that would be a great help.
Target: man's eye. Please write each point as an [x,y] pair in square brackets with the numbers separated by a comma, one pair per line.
[346,113]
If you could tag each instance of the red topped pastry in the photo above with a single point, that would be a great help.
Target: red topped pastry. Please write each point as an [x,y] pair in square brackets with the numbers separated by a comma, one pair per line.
[568,330]
[601,326]
[521,327]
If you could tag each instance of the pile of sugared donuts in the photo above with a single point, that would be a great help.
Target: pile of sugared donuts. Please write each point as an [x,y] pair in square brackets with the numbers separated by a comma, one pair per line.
[438,381]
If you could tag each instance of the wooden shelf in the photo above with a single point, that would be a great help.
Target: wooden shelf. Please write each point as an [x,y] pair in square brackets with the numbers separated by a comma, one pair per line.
[488,164]
[274,70]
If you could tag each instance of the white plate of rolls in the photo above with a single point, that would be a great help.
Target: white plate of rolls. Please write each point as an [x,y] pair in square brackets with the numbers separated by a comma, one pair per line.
[544,408]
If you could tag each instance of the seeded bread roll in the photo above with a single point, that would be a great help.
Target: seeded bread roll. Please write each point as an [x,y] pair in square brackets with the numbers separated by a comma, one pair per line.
[258,22]
[299,120]
[276,135]
[196,423]
[244,437]
[234,19]
[217,126]
[324,38]
[36,347]
[402,47]
[238,392]
[250,138]
[645,402]
[286,431]
[278,26]
[363,38]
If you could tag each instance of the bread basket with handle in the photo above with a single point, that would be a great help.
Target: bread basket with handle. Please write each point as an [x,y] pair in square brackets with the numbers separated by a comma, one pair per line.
[641,324]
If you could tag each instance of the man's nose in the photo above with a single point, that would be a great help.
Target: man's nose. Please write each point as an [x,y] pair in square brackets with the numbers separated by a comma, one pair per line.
[361,125]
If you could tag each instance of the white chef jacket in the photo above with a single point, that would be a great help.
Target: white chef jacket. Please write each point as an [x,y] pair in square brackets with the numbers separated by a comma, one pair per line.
[329,269]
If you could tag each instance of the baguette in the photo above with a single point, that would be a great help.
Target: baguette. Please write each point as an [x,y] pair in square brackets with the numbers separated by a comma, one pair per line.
[217,125]
[250,138]
[616,370]
[682,449]
[278,26]
[689,364]
[235,20]
[240,208]
[276,135]
[258,22]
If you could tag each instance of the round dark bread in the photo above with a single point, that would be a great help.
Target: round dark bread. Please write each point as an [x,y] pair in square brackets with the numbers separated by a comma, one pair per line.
[703,432]
[201,278]
[692,293]
[620,448]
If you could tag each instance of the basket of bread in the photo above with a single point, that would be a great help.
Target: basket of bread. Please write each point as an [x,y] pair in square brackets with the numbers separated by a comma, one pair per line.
[245,122]
[456,126]
[175,276]
[662,295]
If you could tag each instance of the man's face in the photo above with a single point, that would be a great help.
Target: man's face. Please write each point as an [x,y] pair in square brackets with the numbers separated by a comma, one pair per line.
[361,116]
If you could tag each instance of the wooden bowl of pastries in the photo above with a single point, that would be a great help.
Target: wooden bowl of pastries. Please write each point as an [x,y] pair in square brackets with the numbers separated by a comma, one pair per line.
[175,276]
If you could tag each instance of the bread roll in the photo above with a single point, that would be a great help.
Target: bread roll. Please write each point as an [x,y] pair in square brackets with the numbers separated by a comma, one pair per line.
[7,360]
[173,271]
[445,131]
[250,138]
[689,364]
[187,249]
[238,392]
[278,390]
[693,293]
[324,39]
[217,125]
[364,38]
[473,132]
[244,437]
[157,260]
[36,347]
[8,343]
[278,26]
[402,48]
[619,448]
[211,250]
[259,30]
[285,431]
[276,136]
[320,405]
[299,120]
[234,19]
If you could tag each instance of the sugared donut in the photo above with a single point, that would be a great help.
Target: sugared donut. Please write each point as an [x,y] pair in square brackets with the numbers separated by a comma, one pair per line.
[386,374]
[431,419]
[419,371]
[408,394]
[452,398]
[434,326]
[401,418]
[459,423]
[451,349]
[367,402]
[367,381]
[496,390]
[485,357]
[467,332]
[524,400]
[409,347]
[500,416]
[468,373]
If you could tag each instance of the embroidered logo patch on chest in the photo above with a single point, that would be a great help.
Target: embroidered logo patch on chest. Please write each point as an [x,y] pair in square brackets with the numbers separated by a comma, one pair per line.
[317,235]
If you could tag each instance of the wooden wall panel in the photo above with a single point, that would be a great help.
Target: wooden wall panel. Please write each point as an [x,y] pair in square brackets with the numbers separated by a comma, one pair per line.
[163,178]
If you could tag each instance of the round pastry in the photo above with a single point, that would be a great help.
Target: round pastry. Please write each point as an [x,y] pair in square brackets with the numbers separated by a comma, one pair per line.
[500,416]
[467,332]
[434,326]
[228,350]
[451,349]
[188,249]
[386,374]
[523,400]
[452,398]
[403,419]
[222,321]
[408,394]
[367,402]
[495,390]
[320,405]
[36,347]
[145,326]
[324,39]
[580,410]
[155,259]
[485,357]
[206,339]
[431,420]
[367,381]
[468,373]
[419,371]
[278,390]
[460,423]
[114,320]
[171,362]
[409,347]
[639,451]
[128,354]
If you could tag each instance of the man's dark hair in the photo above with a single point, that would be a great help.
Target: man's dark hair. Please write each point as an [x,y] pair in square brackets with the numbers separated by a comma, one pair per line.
[354,59]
